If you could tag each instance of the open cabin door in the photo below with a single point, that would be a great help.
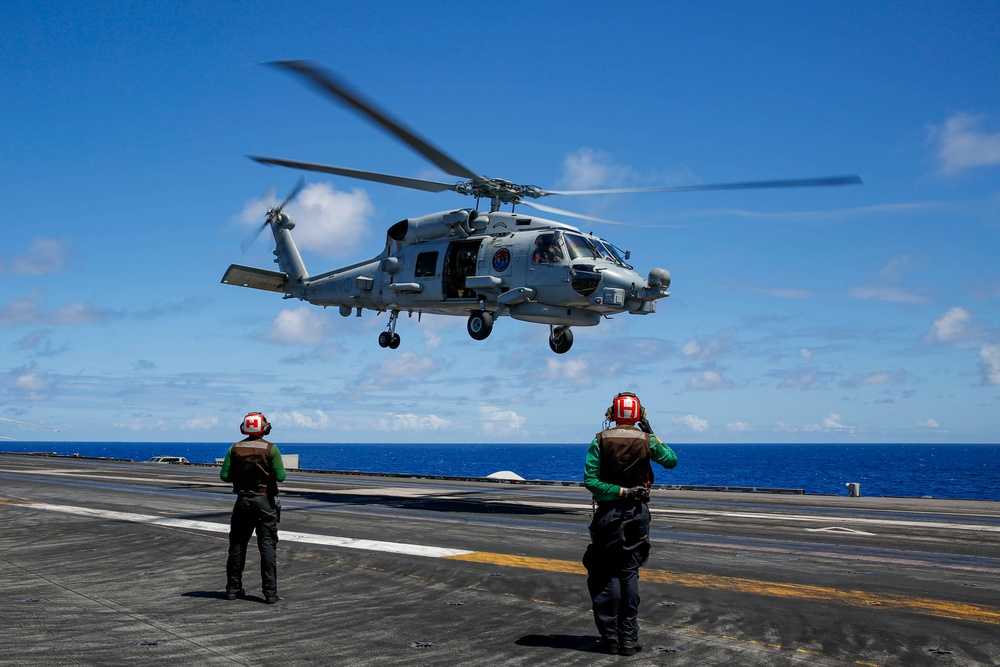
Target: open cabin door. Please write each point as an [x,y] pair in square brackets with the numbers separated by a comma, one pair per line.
[460,263]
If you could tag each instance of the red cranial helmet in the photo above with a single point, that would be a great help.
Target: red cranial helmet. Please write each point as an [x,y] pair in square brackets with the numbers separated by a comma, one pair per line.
[625,409]
[255,424]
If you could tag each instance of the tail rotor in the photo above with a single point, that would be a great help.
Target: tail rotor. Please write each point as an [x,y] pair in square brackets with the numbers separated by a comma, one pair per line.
[273,212]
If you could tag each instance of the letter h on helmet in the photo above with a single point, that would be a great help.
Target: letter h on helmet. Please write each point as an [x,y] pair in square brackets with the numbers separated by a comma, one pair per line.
[625,409]
[255,424]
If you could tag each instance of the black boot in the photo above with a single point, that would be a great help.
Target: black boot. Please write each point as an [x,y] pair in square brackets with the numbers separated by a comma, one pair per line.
[630,648]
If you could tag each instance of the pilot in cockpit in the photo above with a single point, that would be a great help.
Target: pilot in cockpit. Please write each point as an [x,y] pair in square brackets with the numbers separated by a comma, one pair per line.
[547,250]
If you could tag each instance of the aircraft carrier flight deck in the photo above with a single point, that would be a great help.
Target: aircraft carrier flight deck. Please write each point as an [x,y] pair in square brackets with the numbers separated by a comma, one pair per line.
[109,563]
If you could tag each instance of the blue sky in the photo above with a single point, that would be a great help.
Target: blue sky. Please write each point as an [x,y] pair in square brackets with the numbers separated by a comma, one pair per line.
[850,314]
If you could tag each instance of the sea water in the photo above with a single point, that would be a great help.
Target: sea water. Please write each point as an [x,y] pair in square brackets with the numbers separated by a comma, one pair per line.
[908,470]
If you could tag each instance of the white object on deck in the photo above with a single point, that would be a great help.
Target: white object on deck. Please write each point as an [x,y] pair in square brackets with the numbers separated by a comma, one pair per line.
[504,474]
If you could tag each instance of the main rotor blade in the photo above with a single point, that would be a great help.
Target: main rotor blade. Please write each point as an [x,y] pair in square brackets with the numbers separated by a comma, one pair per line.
[18,421]
[749,185]
[326,81]
[388,179]
[571,214]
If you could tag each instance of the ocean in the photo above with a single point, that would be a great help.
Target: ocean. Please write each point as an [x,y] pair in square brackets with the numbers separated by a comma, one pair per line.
[939,471]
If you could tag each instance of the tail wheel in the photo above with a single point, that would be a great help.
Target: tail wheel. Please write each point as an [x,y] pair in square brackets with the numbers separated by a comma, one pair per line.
[560,340]
[480,325]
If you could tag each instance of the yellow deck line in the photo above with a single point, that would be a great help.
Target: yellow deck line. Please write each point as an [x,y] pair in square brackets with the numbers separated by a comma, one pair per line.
[927,606]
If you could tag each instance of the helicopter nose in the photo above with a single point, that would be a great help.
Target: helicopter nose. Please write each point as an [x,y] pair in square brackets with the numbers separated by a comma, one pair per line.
[621,278]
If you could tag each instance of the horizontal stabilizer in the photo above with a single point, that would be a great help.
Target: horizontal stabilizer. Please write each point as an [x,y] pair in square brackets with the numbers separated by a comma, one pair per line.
[249,276]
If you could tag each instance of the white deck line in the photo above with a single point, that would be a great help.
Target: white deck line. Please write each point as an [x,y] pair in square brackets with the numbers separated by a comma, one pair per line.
[284,535]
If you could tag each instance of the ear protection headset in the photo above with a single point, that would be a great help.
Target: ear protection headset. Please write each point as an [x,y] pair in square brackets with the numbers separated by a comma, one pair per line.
[625,409]
[255,423]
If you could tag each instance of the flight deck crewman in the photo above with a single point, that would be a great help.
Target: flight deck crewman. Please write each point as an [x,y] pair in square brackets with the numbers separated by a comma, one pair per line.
[618,474]
[254,467]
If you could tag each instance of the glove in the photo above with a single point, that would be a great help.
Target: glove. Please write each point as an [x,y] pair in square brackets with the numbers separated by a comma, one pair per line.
[640,493]
[643,425]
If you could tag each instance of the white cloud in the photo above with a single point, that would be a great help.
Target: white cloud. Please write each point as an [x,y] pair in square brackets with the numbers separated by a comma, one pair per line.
[956,328]
[806,353]
[200,423]
[142,424]
[798,379]
[43,257]
[28,311]
[952,326]
[709,380]
[319,420]
[497,421]
[961,144]
[990,365]
[884,377]
[713,349]
[411,422]
[300,326]
[432,340]
[327,221]
[928,423]
[34,385]
[575,370]
[833,421]
[407,364]
[739,427]
[76,313]
[330,222]
[588,169]
[693,422]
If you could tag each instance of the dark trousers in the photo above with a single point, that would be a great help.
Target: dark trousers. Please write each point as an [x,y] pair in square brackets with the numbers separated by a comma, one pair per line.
[619,546]
[253,513]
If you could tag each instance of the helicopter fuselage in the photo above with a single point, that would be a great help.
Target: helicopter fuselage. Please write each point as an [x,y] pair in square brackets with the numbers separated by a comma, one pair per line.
[480,265]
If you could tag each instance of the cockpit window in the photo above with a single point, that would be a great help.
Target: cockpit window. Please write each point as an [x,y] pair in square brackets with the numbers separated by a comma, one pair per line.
[609,252]
[547,250]
[580,247]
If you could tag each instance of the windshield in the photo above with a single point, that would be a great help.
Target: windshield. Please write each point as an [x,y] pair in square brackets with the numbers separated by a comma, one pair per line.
[580,247]
[608,251]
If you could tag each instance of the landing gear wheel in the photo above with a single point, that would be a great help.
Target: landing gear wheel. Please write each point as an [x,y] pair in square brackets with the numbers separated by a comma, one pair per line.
[560,340]
[389,338]
[480,325]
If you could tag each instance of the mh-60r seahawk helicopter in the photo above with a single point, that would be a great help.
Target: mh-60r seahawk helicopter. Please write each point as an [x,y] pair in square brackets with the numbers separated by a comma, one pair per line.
[466,262]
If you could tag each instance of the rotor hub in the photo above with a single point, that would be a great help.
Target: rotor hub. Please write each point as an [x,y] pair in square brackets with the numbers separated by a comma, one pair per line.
[498,190]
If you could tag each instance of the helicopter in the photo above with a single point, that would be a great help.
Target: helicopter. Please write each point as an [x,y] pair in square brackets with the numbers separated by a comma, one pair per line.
[481,265]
